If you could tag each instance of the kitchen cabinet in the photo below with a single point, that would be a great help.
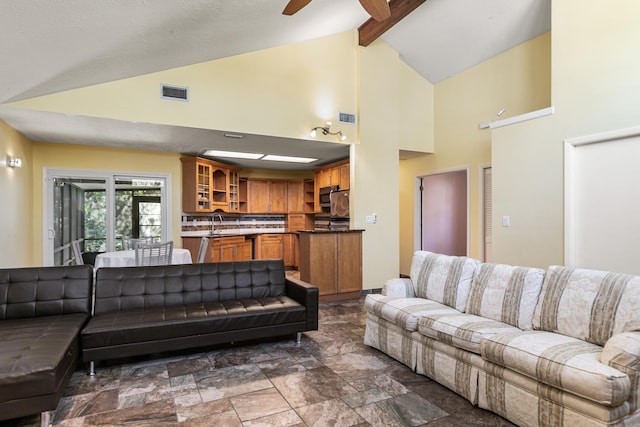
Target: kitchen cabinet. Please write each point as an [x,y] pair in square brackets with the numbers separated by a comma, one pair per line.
[278,196]
[309,195]
[205,185]
[290,246]
[300,196]
[334,174]
[345,176]
[297,222]
[266,196]
[328,177]
[231,248]
[295,196]
[235,191]
[269,246]
[332,261]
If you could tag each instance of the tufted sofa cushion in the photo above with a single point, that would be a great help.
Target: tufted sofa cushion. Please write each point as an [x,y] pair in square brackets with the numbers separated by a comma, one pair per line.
[44,291]
[590,305]
[37,354]
[443,278]
[186,284]
[506,294]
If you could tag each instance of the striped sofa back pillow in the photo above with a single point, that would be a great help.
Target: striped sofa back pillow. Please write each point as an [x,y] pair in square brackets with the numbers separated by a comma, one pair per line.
[590,305]
[443,278]
[506,293]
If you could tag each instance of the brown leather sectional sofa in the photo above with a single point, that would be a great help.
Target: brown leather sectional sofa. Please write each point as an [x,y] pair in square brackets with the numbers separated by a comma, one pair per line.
[42,311]
[144,310]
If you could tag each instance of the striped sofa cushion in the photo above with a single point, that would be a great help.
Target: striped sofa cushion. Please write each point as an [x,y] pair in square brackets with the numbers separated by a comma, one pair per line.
[563,362]
[403,312]
[461,330]
[590,305]
[506,294]
[443,278]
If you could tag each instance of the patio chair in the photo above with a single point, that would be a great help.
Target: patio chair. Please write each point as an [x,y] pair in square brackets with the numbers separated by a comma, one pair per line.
[154,254]
[202,252]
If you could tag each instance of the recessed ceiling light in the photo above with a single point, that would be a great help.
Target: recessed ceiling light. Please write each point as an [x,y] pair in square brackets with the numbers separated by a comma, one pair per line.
[276,158]
[233,154]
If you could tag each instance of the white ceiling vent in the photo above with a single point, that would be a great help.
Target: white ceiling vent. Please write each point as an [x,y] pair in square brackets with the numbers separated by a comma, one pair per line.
[175,93]
[347,118]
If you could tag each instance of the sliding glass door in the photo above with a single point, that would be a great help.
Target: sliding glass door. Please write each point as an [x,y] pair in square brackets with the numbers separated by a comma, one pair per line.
[99,210]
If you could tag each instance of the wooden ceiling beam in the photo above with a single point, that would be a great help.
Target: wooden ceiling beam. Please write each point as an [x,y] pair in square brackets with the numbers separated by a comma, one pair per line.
[372,29]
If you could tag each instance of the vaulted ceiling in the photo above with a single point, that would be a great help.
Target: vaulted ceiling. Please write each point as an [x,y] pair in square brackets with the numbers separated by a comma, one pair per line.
[51,46]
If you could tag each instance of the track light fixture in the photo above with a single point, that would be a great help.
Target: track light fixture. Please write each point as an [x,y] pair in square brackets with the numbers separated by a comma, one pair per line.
[14,162]
[326,130]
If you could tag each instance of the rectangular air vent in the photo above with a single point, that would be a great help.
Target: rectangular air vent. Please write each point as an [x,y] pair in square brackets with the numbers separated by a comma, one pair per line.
[176,93]
[347,118]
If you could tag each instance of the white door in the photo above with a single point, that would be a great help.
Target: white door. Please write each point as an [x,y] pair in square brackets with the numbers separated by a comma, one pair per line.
[603,202]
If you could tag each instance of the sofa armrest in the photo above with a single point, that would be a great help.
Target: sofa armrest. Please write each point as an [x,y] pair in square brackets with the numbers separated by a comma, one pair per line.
[622,352]
[400,288]
[307,295]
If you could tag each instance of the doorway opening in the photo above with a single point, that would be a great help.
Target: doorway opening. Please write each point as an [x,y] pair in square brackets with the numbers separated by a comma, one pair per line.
[444,212]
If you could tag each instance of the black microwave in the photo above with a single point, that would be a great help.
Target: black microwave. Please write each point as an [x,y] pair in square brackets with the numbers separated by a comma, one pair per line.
[325,195]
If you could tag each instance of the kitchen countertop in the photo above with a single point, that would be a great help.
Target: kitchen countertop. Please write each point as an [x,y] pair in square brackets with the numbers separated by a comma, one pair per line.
[233,232]
[255,231]
[322,230]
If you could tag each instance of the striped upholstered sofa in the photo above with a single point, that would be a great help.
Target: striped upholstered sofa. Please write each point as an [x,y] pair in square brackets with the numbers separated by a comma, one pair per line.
[559,347]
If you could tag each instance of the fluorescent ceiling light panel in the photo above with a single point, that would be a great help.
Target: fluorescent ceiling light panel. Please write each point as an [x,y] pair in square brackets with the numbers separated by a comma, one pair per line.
[276,158]
[233,154]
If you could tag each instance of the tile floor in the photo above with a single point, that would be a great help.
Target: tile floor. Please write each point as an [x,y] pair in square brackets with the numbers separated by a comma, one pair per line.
[331,379]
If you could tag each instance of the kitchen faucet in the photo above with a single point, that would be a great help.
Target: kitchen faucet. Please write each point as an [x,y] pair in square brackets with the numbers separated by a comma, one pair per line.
[213,221]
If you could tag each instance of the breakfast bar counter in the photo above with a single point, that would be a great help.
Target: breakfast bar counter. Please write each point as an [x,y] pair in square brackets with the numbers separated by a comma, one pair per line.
[331,260]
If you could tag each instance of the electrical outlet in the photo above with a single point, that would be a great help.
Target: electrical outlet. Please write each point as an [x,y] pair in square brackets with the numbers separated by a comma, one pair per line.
[371,219]
[506,221]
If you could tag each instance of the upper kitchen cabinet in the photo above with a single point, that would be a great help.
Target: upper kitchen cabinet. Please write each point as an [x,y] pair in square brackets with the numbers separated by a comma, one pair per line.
[237,192]
[345,176]
[295,196]
[333,174]
[205,185]
[300,196]
[267,196]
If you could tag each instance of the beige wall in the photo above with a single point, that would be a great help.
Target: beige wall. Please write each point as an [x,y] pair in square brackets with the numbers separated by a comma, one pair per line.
[595,89]
[282,91]
[375,164]
[16,229]
[82,157]
[518,80]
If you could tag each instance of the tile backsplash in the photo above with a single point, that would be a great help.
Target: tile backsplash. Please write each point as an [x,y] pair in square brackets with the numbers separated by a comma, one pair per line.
[199,225]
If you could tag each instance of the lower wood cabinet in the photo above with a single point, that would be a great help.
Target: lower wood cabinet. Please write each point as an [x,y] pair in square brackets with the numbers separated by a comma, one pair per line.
[231,248]
[235,248]
[290,250]
[332,262]
[269,246]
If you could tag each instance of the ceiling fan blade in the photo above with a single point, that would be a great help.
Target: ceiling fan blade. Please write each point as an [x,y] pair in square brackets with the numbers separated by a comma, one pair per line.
[378,9]
[294,5]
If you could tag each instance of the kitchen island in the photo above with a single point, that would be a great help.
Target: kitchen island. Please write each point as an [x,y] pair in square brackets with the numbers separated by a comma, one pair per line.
[331,260]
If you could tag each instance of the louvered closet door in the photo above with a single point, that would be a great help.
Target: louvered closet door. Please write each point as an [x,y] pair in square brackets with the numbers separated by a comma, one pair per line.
[487,216]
